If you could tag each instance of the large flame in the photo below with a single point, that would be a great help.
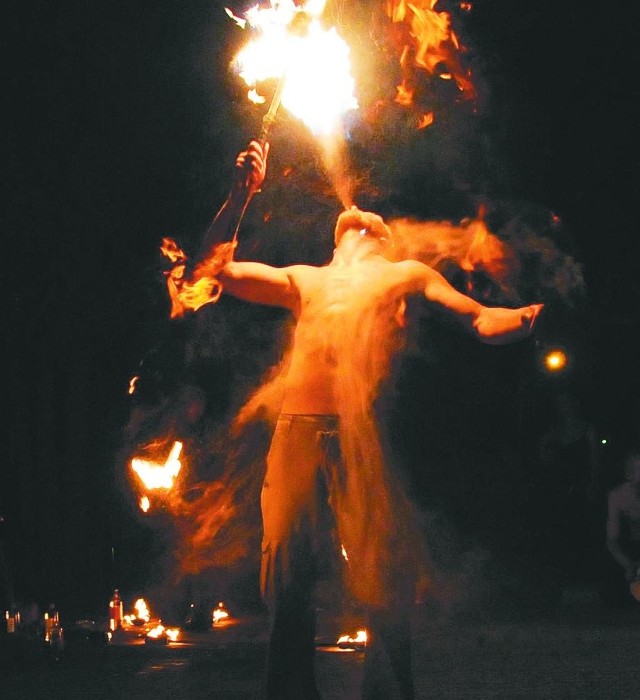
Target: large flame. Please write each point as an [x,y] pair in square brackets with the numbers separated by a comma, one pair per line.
[311,62]
[426,43]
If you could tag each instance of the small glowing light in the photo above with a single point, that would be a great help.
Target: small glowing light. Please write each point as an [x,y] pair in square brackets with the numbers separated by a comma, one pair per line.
[555,360]
[133,383]
[604,441]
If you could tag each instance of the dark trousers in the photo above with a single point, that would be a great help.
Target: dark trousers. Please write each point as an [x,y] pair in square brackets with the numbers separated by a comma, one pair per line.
[303,467]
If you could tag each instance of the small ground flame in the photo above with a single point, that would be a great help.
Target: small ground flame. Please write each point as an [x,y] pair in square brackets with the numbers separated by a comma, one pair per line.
[357,643]
[162,634]
[219,613]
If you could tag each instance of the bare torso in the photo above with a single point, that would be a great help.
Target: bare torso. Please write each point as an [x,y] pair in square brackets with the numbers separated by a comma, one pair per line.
[330,298]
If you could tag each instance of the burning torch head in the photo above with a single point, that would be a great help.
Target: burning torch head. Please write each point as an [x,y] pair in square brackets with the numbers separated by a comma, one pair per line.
[369,225]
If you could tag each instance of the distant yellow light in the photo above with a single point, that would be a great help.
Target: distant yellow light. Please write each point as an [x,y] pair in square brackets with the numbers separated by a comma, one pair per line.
[555,360]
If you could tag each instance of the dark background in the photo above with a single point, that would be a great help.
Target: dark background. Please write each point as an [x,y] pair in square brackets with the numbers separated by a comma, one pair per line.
[120,126]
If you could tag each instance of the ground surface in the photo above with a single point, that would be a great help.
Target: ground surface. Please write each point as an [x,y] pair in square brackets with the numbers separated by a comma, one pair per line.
[580,651]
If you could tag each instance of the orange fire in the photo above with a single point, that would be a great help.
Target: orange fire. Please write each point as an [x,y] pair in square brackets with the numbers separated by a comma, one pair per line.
[159,476]
[357,643]
[219,613]
[162,632]
[311,63]
[141,614]
[426,43]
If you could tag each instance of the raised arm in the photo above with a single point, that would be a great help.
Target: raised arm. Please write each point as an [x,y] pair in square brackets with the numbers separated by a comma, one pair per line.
[250,171]
[491,325]
[193,286]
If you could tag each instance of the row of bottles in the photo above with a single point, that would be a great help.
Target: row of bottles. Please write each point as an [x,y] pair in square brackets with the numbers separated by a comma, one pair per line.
[50,620]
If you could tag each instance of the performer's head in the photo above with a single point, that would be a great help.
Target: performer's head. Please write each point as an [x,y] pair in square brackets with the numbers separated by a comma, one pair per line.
[367,224]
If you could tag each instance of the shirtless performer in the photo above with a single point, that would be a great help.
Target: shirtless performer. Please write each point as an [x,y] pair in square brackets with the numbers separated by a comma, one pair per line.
[623,527]
[325,449]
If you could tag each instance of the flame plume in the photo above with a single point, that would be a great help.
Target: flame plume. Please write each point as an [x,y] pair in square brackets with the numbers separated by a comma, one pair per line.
[427,41]
[312,63]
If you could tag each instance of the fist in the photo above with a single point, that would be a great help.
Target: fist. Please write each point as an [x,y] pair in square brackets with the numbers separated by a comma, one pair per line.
[251,166]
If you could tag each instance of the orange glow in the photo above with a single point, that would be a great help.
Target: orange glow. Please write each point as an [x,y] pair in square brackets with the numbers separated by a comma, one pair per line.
[145,504]
[357,642]
[311,62]
[555,360]
[425,42]
[141,613]
[159,476]
[159,631]
[220,612]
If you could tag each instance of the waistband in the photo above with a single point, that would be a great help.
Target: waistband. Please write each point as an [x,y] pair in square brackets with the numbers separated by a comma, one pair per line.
[328,420]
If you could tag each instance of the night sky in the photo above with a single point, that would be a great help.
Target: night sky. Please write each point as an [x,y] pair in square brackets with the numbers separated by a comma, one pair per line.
[120,126]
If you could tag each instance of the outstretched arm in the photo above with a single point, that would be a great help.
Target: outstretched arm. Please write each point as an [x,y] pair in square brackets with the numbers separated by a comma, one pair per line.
[491,325]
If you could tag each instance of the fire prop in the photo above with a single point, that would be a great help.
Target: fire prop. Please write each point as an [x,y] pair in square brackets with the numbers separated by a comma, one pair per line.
[219,614]
[357,643]
[141,615]
[158,476]
[162,635]
[311,64]
[141,625]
